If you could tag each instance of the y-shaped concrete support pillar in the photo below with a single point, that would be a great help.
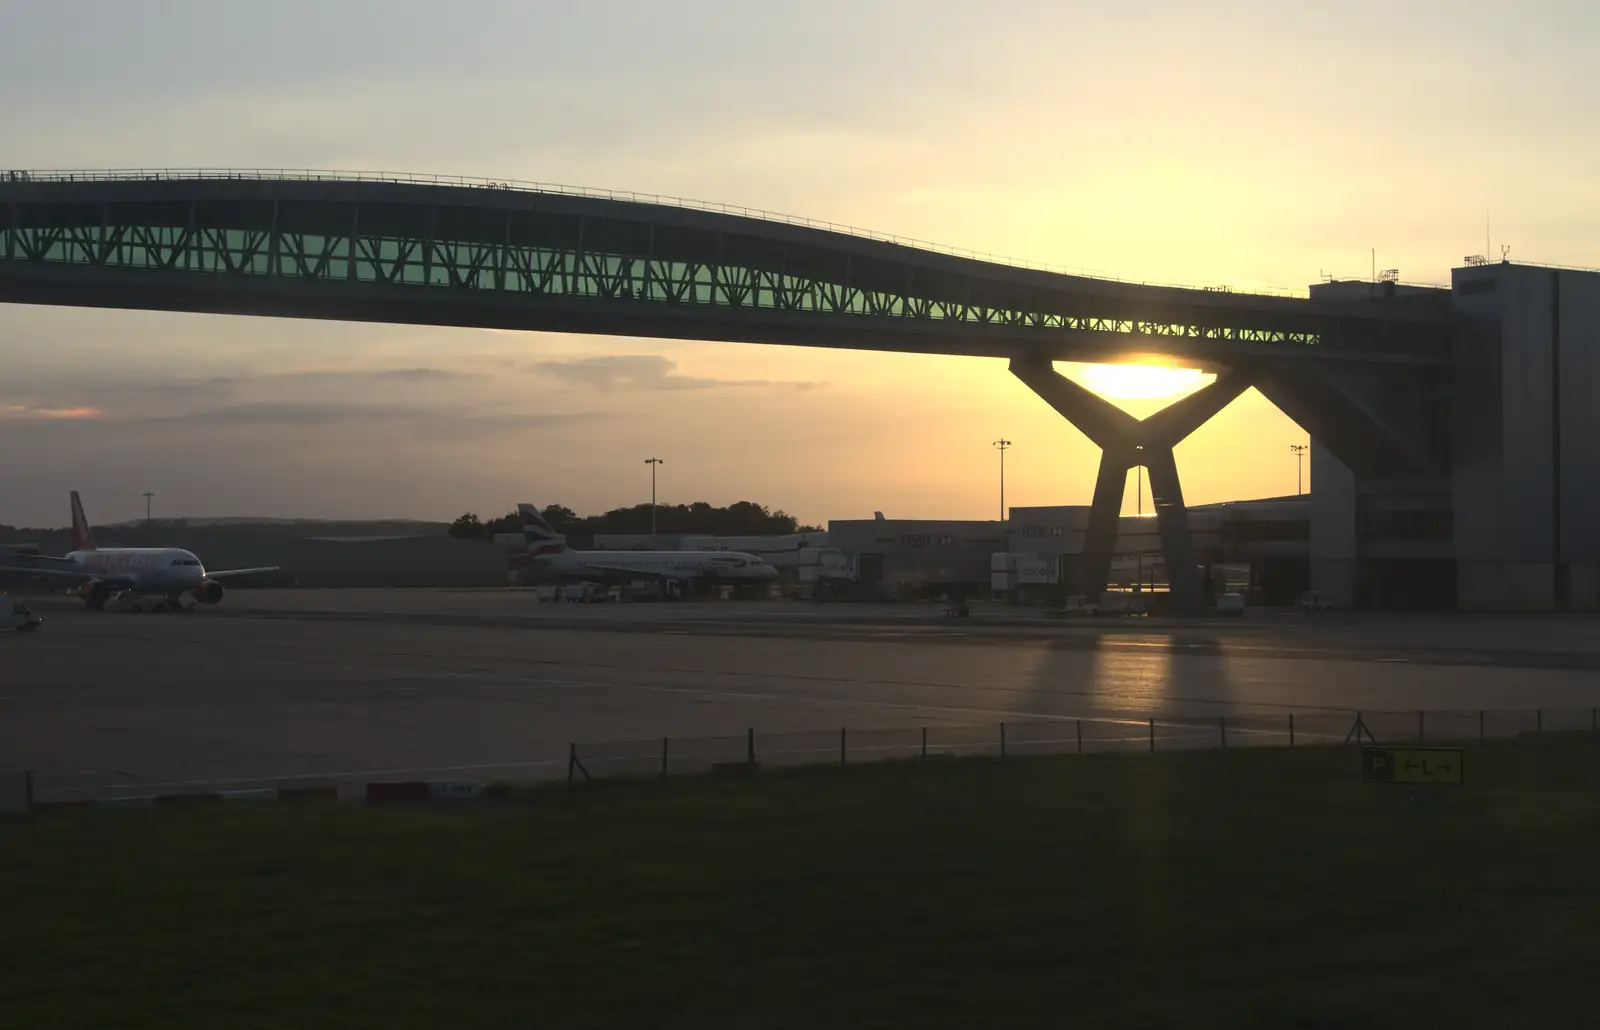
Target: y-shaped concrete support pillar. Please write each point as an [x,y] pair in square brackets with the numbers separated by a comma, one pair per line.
[1126,442]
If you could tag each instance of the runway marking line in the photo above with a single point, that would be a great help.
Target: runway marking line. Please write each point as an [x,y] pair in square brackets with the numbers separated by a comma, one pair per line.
[1271,706]
[750,695]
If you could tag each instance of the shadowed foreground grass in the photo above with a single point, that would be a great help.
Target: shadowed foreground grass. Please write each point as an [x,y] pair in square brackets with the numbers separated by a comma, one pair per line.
[1243,888]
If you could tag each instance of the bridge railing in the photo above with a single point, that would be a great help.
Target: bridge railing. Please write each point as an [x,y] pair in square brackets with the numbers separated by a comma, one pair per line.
[528,186]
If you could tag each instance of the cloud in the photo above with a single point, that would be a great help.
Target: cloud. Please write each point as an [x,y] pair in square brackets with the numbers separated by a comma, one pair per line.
[284,413]
[313,376]
[424,375]
[31,412]
[644,372]
[291,414]
[287,415]
[405,375]
[92,396]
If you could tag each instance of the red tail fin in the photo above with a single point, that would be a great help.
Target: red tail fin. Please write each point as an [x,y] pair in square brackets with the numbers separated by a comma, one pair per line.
[82,539]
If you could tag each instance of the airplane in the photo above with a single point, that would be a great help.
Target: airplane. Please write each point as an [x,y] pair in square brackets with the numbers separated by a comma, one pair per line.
[119,578]
[547,551]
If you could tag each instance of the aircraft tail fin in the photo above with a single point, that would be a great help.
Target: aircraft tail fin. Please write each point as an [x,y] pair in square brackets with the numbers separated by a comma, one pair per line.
[541,536]
[82,539]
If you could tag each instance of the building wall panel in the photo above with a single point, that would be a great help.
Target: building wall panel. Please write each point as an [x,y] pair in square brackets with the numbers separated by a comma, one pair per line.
[1526,506]
[1579,393]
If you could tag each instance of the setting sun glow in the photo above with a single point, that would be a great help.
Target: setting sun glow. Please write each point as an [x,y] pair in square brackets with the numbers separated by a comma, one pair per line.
[1140,382]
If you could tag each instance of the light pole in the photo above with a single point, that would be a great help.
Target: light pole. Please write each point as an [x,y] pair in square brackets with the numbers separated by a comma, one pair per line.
[1002,446]
[652,462]
[1299,450]
[147,496]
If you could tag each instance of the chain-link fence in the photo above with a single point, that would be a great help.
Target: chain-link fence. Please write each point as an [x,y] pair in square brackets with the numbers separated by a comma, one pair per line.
[582,762]
[664,757]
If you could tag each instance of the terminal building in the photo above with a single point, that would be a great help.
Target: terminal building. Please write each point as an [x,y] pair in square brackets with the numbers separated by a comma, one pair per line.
[1509,514]
[1261,548]
[900,558]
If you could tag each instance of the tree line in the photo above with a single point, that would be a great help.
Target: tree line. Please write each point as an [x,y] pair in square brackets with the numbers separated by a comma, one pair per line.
[742,518]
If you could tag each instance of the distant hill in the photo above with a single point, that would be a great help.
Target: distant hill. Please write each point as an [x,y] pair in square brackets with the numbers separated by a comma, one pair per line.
[252,520]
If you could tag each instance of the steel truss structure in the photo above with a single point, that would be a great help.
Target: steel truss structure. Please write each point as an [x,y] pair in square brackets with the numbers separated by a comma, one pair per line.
[532,249]
[548,269]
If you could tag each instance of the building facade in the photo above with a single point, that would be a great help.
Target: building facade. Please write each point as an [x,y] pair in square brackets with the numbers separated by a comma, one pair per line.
[1511,519]
[918,557]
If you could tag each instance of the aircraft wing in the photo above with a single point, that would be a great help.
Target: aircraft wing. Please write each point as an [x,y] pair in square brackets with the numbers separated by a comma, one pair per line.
[72,572]
[45,561]
[623,572]
[232,573]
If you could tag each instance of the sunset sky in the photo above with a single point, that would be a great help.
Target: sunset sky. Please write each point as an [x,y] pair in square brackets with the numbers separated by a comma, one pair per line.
[1260,144]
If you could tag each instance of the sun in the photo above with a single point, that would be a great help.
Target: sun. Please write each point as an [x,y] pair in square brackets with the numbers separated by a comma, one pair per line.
[1139,382]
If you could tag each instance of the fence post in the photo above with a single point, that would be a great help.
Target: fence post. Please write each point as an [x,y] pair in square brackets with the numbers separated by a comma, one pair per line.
[1291,729]
[1152,734]
[924,742]
[1080,735]
[1481,737]
[663,759]
[841,746]
[1355,730]
[1421,732]
[1222,729]
[750,746]
[1594,720]
[27,791]
[572,762]
[1538,720]
[1002,740]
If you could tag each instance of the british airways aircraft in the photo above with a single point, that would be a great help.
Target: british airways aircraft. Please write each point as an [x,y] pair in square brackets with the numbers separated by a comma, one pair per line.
[548,550]
[121,578]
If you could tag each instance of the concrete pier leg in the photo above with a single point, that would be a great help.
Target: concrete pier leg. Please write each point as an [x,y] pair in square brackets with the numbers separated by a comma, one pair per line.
[1172,522]
[1124,443]
[1100,542]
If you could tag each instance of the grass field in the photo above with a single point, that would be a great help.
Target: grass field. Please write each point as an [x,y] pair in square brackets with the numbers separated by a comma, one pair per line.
[1241,888]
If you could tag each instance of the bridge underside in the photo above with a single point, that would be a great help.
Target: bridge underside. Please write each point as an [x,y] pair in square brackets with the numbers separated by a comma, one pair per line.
[596,315]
